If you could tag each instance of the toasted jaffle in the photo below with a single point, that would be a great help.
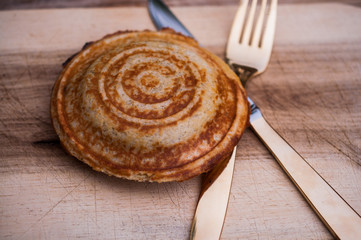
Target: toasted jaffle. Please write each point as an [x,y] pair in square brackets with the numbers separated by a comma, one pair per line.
[148,106]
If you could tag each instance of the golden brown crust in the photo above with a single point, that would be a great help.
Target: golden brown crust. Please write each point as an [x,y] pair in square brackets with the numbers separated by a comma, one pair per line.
[148,106]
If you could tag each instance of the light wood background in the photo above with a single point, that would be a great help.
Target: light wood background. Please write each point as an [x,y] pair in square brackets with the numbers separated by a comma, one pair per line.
[310,93]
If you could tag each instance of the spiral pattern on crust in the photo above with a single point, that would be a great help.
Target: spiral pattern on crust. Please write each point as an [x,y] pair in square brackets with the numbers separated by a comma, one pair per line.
[147,106]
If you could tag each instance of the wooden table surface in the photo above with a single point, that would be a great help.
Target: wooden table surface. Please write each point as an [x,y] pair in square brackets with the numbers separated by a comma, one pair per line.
[310,93]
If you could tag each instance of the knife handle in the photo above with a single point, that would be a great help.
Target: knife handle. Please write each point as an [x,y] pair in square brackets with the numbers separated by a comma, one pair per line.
[342,221]
[212,205]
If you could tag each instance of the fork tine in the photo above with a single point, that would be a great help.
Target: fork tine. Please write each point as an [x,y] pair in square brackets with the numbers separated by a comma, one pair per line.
[251,53]
[269,32]
[258,30]
[249,23]
[238,22]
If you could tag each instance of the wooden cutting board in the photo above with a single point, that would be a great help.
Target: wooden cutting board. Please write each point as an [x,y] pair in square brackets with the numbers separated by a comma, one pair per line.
[310,94]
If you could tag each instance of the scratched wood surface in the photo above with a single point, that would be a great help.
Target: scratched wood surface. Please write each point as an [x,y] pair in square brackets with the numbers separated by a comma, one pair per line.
[36,4]
[310,94]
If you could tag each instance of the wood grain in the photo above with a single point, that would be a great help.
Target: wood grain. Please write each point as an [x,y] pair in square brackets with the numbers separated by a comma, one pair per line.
[37,4]
[310,94]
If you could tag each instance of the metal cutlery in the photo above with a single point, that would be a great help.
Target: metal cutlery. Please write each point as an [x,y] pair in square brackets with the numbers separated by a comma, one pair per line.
[248,53]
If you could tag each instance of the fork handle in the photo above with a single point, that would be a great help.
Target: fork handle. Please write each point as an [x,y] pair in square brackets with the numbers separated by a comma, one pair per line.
[342,221]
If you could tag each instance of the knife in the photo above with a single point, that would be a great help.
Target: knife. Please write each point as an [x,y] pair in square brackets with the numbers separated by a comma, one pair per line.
[216,184]
[338,216]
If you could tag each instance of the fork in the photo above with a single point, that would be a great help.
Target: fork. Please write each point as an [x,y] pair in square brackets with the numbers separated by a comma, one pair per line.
[248,53]
[250,43]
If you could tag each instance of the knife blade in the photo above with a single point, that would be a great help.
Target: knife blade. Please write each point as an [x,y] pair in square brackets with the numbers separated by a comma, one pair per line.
[162,17]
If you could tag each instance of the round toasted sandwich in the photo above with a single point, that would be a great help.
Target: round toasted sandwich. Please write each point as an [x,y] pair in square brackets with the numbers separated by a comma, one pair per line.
[149,106]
